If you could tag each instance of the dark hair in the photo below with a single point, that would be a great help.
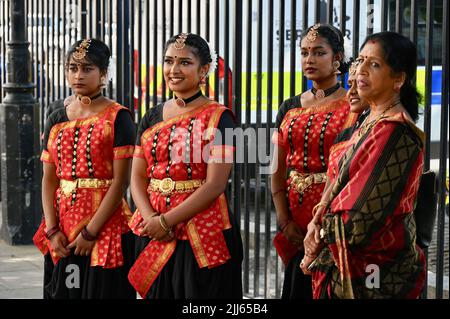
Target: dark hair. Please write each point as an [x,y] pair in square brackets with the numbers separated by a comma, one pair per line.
[400,54]
[98,54]
[199,47]
[335,39]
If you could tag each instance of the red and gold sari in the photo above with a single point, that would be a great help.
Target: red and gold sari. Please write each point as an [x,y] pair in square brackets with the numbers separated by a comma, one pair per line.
[83,152]
[369,229]
[189,135]
[307,135]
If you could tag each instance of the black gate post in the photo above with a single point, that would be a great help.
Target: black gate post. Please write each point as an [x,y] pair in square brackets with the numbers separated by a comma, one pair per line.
[19,144]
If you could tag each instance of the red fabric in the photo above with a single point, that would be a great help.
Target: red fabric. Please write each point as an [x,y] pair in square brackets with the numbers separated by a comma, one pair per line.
[107,251]
[204,230]
[341,118]
[369,232]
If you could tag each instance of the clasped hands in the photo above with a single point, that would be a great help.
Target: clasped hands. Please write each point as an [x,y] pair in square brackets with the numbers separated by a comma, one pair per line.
[312,244]
[151,226]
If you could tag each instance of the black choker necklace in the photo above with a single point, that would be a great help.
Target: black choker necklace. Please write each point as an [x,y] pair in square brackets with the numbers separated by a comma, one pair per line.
[320,94]
[88,100]
[183,102]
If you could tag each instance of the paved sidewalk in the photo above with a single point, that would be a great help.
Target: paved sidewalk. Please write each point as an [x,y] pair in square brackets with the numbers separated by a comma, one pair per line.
[21,271]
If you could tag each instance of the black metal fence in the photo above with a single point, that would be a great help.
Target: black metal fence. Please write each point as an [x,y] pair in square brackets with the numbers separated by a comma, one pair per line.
[257,42]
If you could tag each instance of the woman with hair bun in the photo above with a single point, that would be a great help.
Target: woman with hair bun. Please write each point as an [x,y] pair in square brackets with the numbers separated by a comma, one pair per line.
[87,150]
[366,244]
[307,127]
[191,243]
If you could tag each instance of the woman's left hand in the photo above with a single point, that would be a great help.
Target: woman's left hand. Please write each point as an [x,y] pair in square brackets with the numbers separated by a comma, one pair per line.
[153,229]
[82,246]
[306,261]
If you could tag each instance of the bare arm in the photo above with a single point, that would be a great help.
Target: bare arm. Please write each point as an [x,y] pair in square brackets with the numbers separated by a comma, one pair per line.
[139,184]
[109,204]
[278,188]
[50,183]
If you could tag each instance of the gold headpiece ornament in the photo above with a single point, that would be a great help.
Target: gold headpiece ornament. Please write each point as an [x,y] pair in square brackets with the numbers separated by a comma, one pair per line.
[80,51]
[180,41]
[312,33]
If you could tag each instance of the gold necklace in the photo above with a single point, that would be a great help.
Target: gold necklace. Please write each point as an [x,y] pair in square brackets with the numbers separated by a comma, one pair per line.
[367,126]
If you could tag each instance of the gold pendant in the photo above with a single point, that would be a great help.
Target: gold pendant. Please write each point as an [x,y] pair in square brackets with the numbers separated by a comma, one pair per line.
[320,94]
[180,102]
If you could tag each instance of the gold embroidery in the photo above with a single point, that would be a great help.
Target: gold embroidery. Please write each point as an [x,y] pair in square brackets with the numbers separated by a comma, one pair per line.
[123,152]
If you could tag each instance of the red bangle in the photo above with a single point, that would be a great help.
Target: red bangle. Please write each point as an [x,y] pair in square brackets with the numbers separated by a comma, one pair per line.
[51,232]
[86,235]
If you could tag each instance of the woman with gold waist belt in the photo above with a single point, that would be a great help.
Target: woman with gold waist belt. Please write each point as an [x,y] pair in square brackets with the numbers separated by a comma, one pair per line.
[191,245]
[307,126]
[85,236]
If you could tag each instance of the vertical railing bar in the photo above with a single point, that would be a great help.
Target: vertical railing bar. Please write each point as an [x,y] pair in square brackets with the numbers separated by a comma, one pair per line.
[413,21]
[342,24]
[208,26]
[155,53]
[110,44]
[147,55]
[280,100]
[226,55]
[139,61]
[47,58]
[268,197]
[293,26]
[330,12]
[370,17]
[384,17]
[257,166]
[58,56]
[248,103]
[304,27]
[131,70]
[163,41]
[398,16]
[443,150]
[189,15]
[198,15]
[237,100]
[217,43]
[180,16]
[356,15]
[52,50]
[317,11]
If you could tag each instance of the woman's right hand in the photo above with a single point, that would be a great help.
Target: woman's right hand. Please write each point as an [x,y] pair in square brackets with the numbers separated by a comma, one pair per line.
[293,233]
[59,242]
[312,242]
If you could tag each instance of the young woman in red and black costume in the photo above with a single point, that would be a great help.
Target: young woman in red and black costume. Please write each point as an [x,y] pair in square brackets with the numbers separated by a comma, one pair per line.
[86,157]
[191,245]
[307,127]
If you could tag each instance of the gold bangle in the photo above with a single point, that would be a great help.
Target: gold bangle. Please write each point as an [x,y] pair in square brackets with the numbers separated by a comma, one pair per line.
[162,222]
[320,204]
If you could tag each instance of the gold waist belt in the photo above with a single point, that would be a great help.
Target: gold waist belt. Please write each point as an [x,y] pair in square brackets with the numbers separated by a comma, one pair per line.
[301,181]
[167,185]
[68,187]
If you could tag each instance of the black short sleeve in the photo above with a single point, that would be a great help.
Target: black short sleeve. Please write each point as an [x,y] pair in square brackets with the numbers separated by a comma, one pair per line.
[226,122]
[57,116]
[285,107]
[151,117]
[124,129]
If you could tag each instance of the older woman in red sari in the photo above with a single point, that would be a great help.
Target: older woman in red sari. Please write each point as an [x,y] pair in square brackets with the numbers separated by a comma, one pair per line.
[361,242]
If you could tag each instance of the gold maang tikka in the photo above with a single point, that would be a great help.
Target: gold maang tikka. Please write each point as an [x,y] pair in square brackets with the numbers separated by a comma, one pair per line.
[180,41]
[81,50]
[313,33]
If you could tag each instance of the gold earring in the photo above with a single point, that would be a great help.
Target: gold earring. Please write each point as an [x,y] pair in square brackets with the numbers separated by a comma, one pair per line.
[202,83]
[102,82]
[336,66]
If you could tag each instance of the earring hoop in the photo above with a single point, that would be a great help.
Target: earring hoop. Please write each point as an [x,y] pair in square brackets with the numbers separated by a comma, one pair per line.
[336,65]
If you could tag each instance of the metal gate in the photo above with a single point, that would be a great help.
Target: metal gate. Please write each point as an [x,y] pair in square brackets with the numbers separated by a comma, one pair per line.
[258,68]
